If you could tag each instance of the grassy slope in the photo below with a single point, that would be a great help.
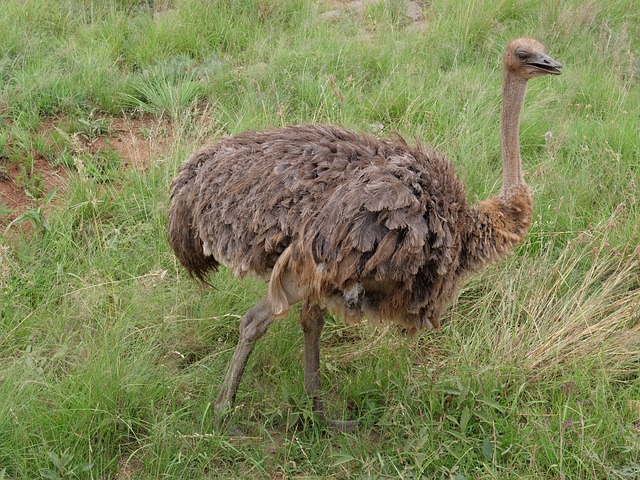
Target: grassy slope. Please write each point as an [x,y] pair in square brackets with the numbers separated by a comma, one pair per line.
[110,356]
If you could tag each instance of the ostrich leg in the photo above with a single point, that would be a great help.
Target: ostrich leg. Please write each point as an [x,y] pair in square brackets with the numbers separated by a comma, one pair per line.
[253,325]
[312,322]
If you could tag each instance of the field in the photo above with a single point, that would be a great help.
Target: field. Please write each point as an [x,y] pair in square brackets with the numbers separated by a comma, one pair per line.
[111,357]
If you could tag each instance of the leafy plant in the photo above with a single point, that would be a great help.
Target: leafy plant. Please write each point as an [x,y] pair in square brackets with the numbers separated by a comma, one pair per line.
[90,126]
[35,215]
[30,180]
[63,467]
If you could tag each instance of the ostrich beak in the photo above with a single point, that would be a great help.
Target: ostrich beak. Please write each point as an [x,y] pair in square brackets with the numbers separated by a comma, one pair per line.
[544,64]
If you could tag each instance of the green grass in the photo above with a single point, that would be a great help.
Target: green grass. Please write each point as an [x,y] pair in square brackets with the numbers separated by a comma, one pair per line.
[110,357]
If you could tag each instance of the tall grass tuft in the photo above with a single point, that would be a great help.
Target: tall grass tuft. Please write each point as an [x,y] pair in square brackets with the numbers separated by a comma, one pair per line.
[561,307]
[169,87]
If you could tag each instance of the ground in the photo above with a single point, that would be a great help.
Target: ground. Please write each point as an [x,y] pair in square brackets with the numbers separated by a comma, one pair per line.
[136,141]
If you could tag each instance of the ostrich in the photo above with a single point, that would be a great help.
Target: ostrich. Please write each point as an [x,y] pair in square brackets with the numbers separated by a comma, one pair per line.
[350,224]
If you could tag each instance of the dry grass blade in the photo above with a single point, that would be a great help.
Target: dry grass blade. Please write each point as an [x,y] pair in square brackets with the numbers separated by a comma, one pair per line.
[586,303]
[349,352]
[599,315]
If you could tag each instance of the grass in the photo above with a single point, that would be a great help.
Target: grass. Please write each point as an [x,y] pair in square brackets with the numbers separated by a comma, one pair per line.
[110,357]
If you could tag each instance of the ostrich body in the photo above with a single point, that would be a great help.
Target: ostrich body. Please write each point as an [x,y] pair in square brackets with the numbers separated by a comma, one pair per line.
[347,223]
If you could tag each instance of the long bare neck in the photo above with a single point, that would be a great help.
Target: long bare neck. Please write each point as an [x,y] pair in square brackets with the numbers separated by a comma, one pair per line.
[513,92]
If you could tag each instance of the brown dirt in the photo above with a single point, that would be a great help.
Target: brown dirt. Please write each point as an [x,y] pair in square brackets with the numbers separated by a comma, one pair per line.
[129,468]
[13,194]
[138,141]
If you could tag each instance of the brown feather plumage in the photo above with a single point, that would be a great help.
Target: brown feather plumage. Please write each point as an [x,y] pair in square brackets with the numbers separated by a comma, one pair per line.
[353,209]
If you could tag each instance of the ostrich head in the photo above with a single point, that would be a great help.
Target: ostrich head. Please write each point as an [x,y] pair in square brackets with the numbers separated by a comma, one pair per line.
[526,59]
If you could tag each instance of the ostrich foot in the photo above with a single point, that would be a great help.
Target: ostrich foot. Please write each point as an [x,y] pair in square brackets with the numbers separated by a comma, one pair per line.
[346,426]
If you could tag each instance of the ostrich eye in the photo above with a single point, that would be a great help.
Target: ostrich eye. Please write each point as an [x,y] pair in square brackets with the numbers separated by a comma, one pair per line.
[522,55]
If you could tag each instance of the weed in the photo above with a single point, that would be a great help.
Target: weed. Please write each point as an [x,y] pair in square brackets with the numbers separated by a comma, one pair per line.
[31,181]
[63,467]
[4,210]
[103,165]
[91,128]
[35,215]
[4,174]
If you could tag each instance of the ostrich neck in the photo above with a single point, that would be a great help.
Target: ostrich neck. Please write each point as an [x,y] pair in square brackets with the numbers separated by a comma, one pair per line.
[513,92]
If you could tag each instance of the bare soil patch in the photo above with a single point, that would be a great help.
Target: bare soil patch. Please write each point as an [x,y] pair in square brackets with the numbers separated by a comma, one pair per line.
[137,141]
